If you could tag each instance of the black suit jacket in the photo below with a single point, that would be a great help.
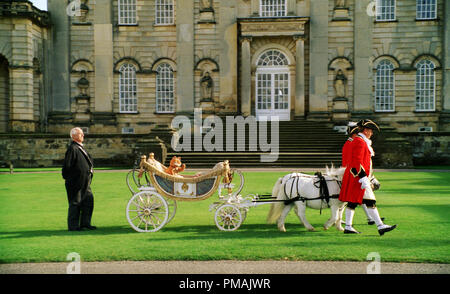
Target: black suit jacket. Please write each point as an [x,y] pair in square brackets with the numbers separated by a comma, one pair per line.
[77,170]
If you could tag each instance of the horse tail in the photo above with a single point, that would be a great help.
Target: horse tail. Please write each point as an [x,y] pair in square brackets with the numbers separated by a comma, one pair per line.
[276,207]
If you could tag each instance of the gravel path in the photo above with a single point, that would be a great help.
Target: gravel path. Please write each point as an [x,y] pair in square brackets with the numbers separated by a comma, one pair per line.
[225,267]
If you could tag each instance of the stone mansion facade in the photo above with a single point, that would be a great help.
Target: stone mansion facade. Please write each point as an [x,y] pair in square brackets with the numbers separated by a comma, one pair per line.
[126,66]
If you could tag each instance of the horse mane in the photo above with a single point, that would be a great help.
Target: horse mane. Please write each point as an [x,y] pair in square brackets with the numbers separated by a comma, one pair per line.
[334,172]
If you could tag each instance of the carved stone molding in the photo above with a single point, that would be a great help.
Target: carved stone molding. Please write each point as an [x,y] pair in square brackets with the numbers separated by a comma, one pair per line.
[286,26]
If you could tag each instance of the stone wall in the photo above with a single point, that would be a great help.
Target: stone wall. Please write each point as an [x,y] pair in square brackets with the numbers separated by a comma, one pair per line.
[430,148]
[47,150]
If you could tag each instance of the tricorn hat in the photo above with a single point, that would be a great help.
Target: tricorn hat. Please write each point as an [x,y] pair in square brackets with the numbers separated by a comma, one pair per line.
[352,128]
[367,123]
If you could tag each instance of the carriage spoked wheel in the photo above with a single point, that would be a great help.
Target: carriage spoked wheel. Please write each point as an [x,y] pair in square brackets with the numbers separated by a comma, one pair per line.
[228,217]
[172,208]
[147,211]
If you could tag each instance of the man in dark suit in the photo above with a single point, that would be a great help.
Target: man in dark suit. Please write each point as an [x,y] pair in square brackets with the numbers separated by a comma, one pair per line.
[78,172]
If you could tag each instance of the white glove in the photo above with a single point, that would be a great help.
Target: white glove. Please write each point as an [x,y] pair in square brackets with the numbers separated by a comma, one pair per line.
[365,183]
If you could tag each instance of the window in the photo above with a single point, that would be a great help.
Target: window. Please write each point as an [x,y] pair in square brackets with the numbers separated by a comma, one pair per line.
[384,86]
[425,86]
[127,89]
[426,9]
[385,10]
[127,12]
[164,89]
[127,130]
[164,12]
[272,85]
[272,8]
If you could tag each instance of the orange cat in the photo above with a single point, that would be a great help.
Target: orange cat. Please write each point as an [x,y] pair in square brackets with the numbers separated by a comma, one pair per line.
[175,166]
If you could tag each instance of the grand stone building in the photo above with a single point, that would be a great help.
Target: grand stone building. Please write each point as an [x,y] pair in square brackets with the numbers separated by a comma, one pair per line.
[130,66]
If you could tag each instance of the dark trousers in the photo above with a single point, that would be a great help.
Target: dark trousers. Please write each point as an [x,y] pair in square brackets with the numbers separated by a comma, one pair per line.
[81,207]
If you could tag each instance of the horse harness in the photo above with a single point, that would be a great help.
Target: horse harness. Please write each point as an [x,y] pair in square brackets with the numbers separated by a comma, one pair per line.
[324,193]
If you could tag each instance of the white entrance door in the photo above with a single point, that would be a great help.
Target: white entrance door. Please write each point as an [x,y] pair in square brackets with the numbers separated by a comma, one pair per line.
[272,94]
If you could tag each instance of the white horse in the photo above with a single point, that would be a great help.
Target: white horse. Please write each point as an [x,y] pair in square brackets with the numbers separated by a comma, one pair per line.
[307,187]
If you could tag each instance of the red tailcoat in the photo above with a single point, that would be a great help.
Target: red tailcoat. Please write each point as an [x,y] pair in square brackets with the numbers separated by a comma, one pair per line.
[359,160]
[347,152]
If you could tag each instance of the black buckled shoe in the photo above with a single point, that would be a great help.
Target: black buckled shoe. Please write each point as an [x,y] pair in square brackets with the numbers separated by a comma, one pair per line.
[386,229]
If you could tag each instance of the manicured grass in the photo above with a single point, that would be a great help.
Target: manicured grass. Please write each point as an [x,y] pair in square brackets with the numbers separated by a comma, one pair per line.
[33,212]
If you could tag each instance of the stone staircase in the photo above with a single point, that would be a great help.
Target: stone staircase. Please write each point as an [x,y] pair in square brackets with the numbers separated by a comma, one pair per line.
[302,143]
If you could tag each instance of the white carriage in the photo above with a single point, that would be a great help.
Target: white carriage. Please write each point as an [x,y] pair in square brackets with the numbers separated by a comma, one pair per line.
[155,195]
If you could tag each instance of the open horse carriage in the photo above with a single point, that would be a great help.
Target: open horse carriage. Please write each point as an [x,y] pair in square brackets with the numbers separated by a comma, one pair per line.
[156,193]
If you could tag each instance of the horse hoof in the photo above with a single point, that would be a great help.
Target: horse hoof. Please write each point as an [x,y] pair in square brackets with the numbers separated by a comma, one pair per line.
[325,228]
[282,230]
[311,229]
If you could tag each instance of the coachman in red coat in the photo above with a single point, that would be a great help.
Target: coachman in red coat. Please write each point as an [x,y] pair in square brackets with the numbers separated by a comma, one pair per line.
[356,188]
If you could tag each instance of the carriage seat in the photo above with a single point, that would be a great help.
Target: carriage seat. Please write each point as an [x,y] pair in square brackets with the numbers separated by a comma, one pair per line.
[151,164]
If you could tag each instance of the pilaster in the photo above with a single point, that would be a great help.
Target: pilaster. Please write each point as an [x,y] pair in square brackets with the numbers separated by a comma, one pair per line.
[299,107]
[363,27]
[185,56]
[246,76]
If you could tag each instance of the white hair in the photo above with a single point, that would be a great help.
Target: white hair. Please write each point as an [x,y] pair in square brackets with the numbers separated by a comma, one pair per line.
[75,131]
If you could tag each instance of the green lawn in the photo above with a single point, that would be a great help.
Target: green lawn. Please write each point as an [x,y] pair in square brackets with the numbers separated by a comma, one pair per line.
[33,211]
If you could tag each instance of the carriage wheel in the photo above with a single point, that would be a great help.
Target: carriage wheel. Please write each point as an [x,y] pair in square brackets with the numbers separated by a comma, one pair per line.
[228,218]
[147,211]
[172,208]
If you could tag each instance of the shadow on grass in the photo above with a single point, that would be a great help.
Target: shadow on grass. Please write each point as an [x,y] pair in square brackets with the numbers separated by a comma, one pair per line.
[63,232]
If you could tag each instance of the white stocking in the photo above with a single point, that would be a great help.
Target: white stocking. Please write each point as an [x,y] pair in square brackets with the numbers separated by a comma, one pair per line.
[375,216]
[349,213]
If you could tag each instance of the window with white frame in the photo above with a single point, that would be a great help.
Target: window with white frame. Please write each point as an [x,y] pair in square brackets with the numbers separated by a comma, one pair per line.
[426,9]
[425,86]
[385,86]
[272,85]
[127,12]
[164,89]
[272,8]
[385,10]
[127,89]
[164,12]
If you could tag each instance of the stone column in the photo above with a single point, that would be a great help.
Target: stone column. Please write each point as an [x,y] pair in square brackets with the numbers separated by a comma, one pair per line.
[104,61]
[227,34]
[318,98]
[21,99]
[185,57]
[59,72]
[300,76]
[21,77]
[254,7]
[246,76]
[445,116]
[362,79]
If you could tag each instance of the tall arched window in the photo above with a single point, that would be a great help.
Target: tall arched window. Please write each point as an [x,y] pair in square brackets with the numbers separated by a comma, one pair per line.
[272,85]
[164,12]
[164,89]
[272,8]
[127,12]
[425,86]
[127,89]
[385,86]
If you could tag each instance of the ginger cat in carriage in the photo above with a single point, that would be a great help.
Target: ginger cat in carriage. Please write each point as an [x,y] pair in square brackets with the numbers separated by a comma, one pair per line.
[175,166]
